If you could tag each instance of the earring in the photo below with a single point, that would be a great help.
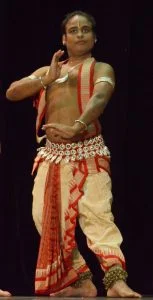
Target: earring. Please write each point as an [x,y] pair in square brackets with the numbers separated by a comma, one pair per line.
[63,43]
[95,41]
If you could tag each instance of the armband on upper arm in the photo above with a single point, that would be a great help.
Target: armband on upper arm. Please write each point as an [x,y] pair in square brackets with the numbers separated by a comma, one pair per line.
[33,76]
[105,79]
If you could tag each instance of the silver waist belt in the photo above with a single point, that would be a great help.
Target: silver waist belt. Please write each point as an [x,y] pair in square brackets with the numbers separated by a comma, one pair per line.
[77,151]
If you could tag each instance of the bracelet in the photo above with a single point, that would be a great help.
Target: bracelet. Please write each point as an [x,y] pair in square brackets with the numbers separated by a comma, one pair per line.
[43,85]
[83,123]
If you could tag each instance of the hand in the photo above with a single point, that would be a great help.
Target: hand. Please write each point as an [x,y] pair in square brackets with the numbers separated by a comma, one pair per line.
[55,68]
[64,131]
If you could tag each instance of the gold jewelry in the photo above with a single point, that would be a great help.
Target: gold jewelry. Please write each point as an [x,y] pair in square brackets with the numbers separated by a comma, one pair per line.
[32,76]
[105,79]
[114,274]
[82,277]
[43,85]
[83,123]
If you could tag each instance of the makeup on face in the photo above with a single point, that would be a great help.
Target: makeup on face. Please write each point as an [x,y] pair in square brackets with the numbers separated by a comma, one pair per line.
[78,25]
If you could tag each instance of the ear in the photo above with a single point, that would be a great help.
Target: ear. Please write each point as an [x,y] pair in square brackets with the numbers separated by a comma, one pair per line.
[95,39]
[63,39]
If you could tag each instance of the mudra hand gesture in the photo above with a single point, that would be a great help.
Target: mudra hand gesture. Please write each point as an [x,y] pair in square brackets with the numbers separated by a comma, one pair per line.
[62,130]
[55,67]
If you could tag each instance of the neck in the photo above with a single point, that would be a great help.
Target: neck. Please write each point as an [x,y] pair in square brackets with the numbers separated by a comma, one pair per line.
[73,60]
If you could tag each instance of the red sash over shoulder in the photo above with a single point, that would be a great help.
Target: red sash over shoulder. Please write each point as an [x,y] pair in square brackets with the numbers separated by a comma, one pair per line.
[85,90]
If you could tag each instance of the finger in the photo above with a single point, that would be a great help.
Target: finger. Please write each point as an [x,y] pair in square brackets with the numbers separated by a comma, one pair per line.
[49,125]
[58,54]
[44,127]
[56,131]
[55,57]
[60,63]
[63,135]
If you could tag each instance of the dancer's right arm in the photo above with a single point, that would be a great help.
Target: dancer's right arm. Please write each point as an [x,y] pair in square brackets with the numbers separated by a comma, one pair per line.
[26,86]
[30,85]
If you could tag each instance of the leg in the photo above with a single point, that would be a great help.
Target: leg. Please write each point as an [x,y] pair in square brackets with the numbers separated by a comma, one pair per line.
[103,237]
[87,289]
[121,289]
[115,283]
[83,287]
[78,270]
[38,196]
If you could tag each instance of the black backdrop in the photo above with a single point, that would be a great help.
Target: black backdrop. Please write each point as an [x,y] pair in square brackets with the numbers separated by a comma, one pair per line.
[30,33]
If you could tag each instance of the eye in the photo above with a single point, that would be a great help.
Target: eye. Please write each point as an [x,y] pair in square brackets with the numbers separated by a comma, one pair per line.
[86,29]
[73,30]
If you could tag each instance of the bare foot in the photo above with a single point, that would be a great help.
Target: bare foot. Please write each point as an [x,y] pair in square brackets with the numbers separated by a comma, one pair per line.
[121,289]
[4,294]
[87,289]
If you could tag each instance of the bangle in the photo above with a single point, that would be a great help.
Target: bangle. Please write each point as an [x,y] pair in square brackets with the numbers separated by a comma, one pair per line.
[83,123]
[43,85]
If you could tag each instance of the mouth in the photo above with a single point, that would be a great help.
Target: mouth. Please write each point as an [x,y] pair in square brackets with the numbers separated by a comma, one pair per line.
[80,42]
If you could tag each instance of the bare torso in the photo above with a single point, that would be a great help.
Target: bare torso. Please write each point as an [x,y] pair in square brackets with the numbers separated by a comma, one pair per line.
[61,102]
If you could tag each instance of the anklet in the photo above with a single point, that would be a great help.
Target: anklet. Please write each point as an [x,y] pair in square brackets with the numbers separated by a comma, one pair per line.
[82,277]
[114,274]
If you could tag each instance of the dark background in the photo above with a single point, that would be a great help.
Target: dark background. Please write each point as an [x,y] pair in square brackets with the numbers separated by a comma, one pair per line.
[30,33]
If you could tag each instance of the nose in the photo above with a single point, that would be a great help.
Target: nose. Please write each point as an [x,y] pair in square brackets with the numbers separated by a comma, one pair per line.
[79,33]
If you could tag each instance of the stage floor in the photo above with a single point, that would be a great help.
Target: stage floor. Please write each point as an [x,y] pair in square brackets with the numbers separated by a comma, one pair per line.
[145,297]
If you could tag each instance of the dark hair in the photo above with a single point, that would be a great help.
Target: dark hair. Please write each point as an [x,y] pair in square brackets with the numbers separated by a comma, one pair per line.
[68,16]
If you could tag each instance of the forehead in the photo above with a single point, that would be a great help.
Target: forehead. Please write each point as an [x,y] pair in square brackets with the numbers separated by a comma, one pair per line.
[78,21]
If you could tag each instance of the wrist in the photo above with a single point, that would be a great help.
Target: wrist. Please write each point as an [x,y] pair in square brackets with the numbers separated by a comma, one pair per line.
[80,126]
[44,86]
[45,81]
